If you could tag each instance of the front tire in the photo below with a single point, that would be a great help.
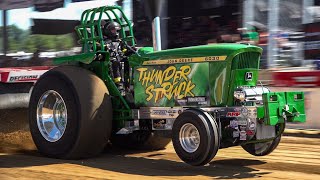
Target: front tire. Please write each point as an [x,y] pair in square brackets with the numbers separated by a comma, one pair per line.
[262,149]
[70,113]
[195,137]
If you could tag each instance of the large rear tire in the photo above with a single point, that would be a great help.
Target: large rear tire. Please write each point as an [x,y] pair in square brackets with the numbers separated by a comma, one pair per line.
[70,113]
[262,149]
[195,137]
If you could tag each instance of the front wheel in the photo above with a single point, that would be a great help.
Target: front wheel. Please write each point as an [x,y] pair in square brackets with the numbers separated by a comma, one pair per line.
[262,149]
[195,137]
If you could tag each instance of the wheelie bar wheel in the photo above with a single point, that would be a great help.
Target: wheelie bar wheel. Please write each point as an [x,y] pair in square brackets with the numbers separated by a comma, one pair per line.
[195,137]
[262,149]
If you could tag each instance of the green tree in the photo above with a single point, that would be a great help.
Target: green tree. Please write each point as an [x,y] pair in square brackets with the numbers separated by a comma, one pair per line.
[1,45]
[64,42]
[23,40]
[15,33]
[29,45]
[13,45]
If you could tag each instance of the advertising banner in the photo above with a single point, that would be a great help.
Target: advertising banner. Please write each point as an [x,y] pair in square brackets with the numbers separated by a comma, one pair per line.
[172,85]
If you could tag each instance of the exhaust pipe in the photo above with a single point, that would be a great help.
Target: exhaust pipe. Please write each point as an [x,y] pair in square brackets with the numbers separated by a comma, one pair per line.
[156,34]
[156,9]
[12,101]
[16,95]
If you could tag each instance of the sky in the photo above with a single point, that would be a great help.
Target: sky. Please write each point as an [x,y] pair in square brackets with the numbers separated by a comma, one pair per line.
[73,11]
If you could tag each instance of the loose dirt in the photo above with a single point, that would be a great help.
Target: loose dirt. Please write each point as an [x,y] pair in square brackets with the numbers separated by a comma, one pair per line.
[14,131]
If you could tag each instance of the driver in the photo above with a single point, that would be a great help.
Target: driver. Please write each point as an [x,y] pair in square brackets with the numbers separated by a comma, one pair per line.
[114,46]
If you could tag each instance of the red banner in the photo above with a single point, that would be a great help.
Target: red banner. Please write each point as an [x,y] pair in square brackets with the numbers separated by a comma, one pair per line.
[305,78]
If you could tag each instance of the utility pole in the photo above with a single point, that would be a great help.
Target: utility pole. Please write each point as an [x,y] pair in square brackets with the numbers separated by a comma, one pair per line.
[273,26]
[248,12]
[4,32]
[306,16]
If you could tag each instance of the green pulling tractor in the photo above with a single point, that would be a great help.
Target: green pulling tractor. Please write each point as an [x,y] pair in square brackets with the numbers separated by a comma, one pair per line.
[203,98]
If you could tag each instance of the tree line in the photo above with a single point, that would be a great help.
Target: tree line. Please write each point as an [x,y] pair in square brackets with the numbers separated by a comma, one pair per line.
[23,40]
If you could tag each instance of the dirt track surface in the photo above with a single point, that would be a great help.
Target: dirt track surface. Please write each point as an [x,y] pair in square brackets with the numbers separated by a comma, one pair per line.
[295,158]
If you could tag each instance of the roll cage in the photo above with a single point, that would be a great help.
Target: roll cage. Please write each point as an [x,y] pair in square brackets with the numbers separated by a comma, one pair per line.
[90,28]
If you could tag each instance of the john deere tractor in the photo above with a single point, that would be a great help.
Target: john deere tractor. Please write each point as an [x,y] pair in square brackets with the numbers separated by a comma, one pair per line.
[203,98]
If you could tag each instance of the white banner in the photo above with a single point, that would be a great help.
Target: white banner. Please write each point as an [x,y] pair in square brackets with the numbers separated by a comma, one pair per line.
[15,4]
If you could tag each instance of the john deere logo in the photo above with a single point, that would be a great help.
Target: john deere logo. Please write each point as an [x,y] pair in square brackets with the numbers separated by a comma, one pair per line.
[248,76]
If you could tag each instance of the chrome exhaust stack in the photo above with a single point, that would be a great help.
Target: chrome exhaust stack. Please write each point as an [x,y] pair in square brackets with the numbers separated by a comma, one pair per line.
[156,34]
[156,9]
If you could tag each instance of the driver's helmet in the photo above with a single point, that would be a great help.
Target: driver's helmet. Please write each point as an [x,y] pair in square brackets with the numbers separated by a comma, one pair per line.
[111,30]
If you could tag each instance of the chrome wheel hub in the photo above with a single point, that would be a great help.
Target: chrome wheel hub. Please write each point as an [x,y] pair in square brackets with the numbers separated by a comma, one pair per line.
[51,116]
[189,137]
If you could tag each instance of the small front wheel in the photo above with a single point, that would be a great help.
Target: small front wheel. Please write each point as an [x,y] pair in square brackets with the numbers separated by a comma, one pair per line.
[195,137]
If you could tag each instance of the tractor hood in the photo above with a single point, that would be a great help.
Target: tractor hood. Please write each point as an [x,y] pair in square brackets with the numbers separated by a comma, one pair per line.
[198,51]
[191,76]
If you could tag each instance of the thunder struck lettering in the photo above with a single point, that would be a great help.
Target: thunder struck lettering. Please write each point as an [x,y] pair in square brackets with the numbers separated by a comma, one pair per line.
[171,82]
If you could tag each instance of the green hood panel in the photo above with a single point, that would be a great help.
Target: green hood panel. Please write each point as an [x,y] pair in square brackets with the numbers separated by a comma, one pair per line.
[200,51]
